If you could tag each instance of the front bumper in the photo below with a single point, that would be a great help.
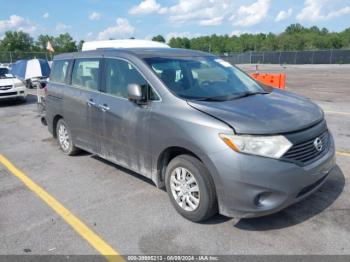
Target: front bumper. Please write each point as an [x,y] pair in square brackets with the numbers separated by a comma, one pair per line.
[14,92]
[252,186]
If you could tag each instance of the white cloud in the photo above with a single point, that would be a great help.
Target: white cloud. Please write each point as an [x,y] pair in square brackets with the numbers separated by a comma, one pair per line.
[147,7]
[89,36]
[204,12]
[213,21]
[239,32]
[61,27]
[94,16]
[215,12]
[122,28]
[46,15]
[18,23]
[318,10]
[253,14]
[283,15]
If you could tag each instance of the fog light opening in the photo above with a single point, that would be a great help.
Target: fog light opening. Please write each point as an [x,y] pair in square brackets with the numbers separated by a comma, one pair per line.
[260,199]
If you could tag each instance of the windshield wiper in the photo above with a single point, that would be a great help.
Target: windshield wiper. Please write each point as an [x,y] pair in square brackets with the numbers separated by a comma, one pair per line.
[230,97]
[215,98]
[248,93]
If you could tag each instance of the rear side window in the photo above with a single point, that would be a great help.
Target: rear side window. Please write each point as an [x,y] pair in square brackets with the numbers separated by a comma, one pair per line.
[119,74]
[59,71]
[86,73]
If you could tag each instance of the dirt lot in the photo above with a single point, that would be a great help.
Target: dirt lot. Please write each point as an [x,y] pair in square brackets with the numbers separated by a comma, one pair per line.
[130,214]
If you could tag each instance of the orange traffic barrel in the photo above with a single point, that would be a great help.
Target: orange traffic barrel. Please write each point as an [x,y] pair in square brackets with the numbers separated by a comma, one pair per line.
[274,80]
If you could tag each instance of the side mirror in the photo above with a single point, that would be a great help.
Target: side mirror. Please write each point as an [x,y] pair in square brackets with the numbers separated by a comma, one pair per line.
[135,93]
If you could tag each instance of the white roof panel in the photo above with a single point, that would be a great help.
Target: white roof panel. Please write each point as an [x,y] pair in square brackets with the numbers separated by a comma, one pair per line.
[128,43]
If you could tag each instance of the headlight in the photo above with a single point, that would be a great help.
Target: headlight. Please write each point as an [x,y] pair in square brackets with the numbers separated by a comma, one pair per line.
[268,146]
[18,84]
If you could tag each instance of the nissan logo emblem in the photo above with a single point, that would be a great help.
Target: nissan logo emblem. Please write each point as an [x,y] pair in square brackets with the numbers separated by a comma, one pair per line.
[318,144]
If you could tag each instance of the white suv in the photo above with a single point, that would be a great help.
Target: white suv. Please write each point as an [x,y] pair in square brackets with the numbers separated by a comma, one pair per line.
[10,86]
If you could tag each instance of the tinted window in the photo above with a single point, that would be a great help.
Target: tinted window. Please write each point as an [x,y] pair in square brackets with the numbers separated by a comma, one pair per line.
[202,77]
[4,73]
[86,73]
[119,74]
[59,71]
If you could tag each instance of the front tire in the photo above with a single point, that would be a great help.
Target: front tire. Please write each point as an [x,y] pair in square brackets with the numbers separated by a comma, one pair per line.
[64,138]
[191,188]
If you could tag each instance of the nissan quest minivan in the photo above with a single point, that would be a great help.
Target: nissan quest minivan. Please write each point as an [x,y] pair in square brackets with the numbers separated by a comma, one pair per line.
[191,122]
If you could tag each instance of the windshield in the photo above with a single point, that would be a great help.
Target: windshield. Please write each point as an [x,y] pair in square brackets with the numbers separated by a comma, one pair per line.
[4,73]
[202,78]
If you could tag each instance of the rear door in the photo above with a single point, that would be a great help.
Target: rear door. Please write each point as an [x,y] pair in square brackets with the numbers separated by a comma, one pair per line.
[125,124]
[56,88]
[81,103]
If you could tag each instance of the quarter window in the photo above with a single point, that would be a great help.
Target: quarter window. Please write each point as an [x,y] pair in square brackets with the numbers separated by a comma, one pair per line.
[59,71]
[86,73]
[119,74]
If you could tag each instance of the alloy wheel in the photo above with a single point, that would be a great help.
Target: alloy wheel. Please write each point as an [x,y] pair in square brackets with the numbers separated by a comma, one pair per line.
[185,189]
[63,137]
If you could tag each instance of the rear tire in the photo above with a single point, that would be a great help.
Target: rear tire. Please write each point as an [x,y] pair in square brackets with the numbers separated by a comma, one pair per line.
[64,138]
[190,188]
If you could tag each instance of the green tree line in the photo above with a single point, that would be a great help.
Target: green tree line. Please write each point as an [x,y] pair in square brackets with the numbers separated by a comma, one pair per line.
[294,37]
[18,41]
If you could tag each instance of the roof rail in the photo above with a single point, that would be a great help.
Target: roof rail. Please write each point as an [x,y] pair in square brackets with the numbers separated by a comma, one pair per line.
[127,43]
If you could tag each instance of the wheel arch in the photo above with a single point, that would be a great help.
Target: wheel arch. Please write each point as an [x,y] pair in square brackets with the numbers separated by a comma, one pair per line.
[166,156]
[54,124]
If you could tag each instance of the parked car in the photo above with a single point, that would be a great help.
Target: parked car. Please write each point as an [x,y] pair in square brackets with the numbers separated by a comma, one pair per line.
[10,86]
[214,137]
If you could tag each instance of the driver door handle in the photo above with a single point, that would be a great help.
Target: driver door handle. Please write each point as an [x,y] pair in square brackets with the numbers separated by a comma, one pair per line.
[90,102]
[104,107]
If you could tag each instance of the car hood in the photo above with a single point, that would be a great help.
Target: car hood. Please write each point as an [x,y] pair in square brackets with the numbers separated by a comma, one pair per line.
[273,113]
[7,81]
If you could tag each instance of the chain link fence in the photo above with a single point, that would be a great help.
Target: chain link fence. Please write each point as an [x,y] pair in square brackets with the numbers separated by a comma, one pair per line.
[11,57]
[333,56]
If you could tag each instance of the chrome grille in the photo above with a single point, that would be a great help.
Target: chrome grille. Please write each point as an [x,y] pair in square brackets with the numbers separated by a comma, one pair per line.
[5,87]
[305,152]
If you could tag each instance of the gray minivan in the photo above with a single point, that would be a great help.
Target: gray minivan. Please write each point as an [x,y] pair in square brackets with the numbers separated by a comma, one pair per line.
[193,123]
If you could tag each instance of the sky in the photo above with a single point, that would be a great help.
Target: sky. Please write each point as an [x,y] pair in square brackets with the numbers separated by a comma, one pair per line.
[105,19]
